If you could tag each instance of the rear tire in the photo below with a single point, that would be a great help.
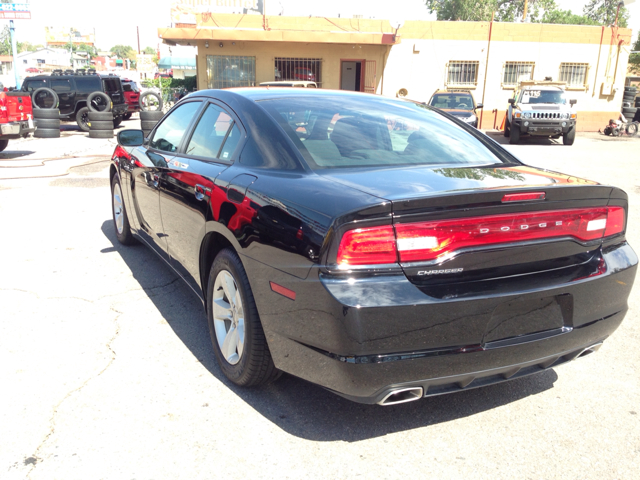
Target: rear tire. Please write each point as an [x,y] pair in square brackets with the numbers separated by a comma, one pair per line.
[127,116]
[119,212]
[101,125]
[82,119]
[117,121]
[54,95]
[514,135]
[48,123]
[234,324]
[152,116]
[569,137]
[632,129]
[101,133]
[101,100]
[47,133]
[46,113]
[506,127]
[3,145]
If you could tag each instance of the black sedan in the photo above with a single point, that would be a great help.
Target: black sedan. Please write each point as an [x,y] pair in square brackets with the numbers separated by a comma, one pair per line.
[376,247]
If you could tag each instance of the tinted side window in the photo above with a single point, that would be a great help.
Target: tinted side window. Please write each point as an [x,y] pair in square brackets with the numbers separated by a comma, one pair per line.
[169,133]
[61,86]
[231,143]
[31,85]
[88,84]
[210,133]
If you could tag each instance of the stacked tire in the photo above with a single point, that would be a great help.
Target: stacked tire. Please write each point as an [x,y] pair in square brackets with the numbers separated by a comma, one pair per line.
[47,119]
[100,121]
[149,118]
[629,98]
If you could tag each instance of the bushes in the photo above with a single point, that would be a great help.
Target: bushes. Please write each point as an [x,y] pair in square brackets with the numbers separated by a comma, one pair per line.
[189,83]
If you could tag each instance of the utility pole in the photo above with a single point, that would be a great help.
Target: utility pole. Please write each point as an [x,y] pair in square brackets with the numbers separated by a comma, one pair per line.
[524,15]
[138,30]
[14,50]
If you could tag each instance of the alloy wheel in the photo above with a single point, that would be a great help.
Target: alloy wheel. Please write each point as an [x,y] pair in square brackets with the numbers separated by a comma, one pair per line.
[118,211]
[228,317]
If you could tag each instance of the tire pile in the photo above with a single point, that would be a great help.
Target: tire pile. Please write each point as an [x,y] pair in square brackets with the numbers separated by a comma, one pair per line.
[100,121]
[47,119]
[630,103]
[150,111]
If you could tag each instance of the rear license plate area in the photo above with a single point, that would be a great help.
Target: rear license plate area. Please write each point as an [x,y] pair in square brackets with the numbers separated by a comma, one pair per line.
[528,316]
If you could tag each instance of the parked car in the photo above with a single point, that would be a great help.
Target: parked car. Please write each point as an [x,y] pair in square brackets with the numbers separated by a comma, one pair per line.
[383,264]
[304,73]
[541,108]
[290,83]
[73,91]
[16,117]
[131,96]
[162,75]
[33,70]
[459,103]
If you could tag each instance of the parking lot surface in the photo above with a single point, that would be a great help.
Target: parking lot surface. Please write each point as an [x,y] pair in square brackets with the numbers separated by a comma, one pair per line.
[107,370]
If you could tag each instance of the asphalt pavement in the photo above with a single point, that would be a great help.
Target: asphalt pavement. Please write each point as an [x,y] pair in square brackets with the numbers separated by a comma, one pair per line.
[107,370]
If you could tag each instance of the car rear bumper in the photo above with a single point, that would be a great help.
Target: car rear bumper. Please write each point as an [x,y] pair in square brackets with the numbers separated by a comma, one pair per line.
[14,130]
[366,339]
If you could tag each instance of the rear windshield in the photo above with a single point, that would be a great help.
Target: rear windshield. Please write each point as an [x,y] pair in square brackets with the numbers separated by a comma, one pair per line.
[339,131]
[112,85]
[130,87]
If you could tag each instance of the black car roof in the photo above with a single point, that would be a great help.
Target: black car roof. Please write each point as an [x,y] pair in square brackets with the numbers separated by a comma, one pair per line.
[262,93]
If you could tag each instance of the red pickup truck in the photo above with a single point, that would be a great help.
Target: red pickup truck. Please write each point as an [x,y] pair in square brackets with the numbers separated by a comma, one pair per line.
[131,96]
[16,116]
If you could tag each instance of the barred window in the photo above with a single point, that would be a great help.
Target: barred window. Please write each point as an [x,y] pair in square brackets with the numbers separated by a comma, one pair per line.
[575,74]
[306,69]
[462,73]
[225,71]
[515,72]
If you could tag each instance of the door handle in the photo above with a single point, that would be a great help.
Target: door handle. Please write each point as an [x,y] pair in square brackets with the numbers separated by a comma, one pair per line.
[201,191]
[153,181]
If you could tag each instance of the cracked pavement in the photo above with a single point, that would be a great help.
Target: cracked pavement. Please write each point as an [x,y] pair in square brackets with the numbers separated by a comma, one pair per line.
[107,370]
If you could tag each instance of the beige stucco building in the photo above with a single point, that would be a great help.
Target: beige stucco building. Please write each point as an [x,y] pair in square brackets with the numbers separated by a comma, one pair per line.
[372,56]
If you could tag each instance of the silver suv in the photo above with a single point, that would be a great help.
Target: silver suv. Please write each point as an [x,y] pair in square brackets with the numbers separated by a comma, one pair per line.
[542,109]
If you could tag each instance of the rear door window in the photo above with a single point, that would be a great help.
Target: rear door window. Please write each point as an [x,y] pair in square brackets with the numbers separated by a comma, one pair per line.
[61,85]
[87,84]
[169,133]
[111,85]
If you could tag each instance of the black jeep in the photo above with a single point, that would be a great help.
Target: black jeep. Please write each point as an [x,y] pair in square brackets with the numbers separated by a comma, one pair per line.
[73,90]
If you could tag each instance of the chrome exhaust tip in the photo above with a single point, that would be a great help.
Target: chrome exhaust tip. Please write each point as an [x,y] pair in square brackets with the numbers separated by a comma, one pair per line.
[589,350]
[402,395]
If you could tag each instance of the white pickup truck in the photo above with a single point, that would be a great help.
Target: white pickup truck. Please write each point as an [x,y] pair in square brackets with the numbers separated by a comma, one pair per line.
[542,109]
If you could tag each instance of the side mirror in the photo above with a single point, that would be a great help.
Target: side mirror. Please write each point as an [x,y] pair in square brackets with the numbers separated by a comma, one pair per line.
[479,105]
[572,102]
[130,138]
[512,101]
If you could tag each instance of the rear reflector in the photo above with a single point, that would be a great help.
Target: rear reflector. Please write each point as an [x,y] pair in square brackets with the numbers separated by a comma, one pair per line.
[425,241]
[284,291]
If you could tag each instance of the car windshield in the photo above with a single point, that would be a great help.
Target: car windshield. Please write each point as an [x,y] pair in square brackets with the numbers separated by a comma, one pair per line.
[452,101]
[340,131]
[543,96]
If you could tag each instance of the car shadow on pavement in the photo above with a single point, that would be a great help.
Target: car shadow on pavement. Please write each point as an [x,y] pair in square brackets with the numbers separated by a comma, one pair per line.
[526,139]
[15,154]
[296,406]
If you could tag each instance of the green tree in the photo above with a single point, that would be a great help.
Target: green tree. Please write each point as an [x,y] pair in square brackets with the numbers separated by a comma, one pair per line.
[122,51]
[603,12]
[567,17]
[465,10]
[634,58]
[513,10]
[90,49]
[149,51]
[5,41]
